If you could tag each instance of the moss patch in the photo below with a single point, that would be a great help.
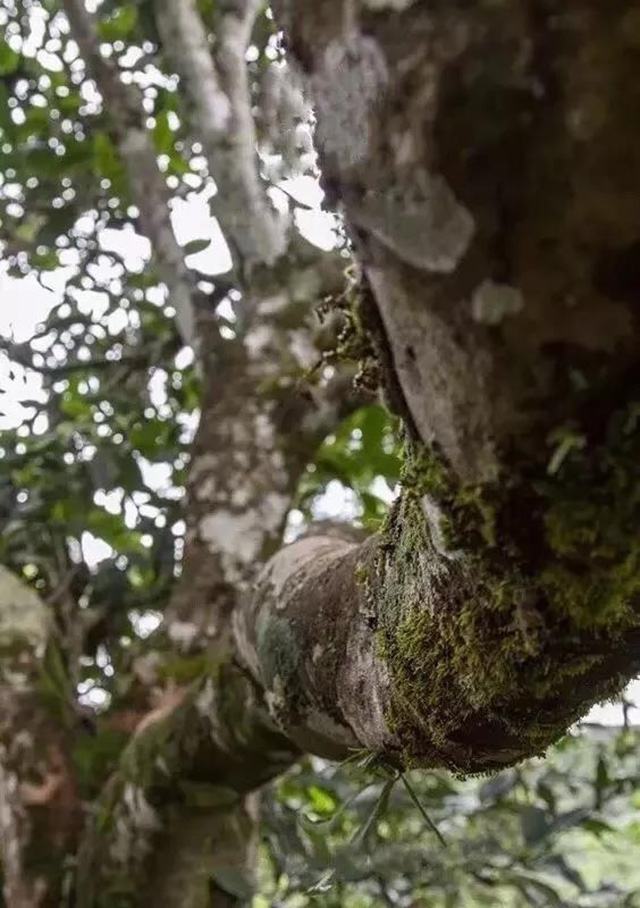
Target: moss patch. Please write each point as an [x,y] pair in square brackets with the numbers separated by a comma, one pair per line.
[493,635]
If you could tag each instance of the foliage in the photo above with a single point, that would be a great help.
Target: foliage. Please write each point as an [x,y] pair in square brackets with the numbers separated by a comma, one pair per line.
[558,832]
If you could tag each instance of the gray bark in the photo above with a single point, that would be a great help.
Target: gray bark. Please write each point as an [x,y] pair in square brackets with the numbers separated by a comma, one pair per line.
[216,88]
[481,176]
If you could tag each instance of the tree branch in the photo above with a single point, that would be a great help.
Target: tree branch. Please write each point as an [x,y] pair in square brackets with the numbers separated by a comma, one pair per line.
[502,599]
[123,105]
[219,96]
[160,823]
[39,804]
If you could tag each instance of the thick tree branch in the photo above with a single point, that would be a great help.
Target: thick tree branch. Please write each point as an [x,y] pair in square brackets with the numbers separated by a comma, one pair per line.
[495,213]
[160,822]
[124,109]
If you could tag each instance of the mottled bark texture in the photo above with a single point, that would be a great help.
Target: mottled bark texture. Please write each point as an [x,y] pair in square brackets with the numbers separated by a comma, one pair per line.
[40,812]
[175,810]
[176,814]
[262,421]
[217,90]
[487,159]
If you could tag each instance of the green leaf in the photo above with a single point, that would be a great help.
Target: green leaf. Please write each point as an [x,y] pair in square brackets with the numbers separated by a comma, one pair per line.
[163,134]
[9,59]
[119,25]
[194,246]
[596,827]
[380,806]
[331,822]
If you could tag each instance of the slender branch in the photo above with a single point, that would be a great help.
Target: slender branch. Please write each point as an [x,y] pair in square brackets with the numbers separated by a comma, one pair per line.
[218,93]
[123,104]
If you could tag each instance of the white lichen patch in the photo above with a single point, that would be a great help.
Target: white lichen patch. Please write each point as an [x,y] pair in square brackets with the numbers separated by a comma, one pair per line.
[182,633]
[240,536]
[273,509]
[317,652]
[258,340]
[422,222]
[141,812]
[493,302]
[23,615]
[271,305]
[275,698]
[236,535]
[264,430]
[201,466]
[207,490]
[206,698]
[134,142]
[240,496]
[302,349]
[346,87]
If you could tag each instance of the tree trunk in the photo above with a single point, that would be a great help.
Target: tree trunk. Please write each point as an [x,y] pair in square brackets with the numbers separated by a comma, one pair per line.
[489,173]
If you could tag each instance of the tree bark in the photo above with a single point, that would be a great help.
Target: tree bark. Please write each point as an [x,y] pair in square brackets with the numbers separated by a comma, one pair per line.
[40,811]
[489,176]
[218,94]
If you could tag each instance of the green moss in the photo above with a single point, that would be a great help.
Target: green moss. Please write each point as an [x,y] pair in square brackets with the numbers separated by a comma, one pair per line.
[493,642]
[591,524]
[279,656]
[361,575]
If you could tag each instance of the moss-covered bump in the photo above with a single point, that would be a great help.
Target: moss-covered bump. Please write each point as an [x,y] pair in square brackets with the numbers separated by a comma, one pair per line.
[477,624]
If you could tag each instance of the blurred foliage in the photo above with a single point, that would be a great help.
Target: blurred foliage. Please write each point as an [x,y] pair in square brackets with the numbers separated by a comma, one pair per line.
[560,832]
[91,483]
[364,457]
